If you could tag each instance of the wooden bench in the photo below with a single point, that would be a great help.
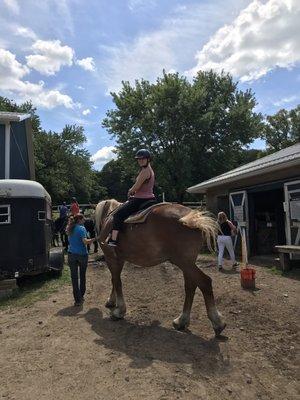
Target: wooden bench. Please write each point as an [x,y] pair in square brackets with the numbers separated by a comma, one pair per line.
[284,255]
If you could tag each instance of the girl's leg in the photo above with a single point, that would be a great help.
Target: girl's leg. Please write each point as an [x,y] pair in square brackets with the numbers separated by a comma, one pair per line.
[221,247]
[229,247]
[83,266]
[73,264]
[124,211]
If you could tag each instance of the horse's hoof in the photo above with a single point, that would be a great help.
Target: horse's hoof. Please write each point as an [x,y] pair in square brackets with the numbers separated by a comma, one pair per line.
[110,304]
[115,318]
[179,326]
[219,330]
[116,315]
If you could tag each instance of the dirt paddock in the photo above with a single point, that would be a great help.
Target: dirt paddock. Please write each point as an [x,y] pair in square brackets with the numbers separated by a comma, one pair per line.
[51,350]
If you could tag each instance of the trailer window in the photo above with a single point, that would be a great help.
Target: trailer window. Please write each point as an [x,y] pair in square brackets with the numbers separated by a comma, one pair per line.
[5,215]
[41,216]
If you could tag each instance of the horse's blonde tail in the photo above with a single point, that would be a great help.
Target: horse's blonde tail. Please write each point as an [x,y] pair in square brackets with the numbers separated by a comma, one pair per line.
[196,219]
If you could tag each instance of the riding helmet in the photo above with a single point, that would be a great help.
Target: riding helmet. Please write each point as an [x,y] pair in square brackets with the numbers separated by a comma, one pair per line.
[143,153]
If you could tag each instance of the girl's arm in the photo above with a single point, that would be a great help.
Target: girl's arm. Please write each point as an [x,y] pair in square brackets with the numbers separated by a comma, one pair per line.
[232,227]
[88,241]
[141,178]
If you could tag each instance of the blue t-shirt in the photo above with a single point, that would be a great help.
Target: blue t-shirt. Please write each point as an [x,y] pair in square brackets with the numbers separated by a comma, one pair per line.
[76,245]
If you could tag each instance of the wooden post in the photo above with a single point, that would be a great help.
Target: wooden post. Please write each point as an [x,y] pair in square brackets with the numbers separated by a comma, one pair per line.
[285,261]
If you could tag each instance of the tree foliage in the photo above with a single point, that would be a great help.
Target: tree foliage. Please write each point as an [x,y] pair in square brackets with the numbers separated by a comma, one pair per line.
[116,179]
[282,129]
[194,130]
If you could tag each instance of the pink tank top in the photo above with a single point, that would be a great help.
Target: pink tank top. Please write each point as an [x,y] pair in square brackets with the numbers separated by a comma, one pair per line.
[146,190]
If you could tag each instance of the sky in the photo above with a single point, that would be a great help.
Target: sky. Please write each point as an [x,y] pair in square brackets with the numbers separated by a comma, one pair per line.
[66,56]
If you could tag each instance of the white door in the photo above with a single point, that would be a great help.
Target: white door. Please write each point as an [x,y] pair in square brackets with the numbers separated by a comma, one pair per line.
[292,214]
[238,203]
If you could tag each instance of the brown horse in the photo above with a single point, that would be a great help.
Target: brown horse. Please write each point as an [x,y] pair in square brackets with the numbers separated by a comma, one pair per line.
[172,233]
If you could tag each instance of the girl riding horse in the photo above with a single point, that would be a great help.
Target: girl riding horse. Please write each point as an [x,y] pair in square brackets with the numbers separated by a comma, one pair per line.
[140,193]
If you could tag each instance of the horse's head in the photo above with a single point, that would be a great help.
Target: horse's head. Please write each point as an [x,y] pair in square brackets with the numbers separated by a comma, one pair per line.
[103,209]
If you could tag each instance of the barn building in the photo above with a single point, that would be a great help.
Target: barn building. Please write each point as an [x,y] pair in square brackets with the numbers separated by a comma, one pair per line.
[262,197]
[16,148]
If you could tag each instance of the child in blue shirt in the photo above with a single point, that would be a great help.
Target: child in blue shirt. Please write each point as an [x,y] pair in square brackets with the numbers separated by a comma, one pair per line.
[78,256]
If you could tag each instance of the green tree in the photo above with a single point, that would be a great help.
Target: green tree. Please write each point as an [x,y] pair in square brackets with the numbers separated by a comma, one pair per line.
[64,166]
[27,107]
[282,129]
[115,178]
[194,130]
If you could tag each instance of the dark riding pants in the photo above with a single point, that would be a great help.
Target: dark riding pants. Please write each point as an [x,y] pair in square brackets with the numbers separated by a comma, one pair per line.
[131,206]
[78,262]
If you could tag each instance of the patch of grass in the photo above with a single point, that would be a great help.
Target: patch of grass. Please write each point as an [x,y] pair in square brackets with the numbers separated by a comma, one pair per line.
[35,288]
[292,274]
[274,270]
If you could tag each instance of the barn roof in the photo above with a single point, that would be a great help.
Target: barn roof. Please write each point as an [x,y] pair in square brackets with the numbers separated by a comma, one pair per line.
[6,116]
[287,157]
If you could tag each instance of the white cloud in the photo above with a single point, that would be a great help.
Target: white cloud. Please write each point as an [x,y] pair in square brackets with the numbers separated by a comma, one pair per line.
[24,32]
[103,156]
[10,67]
[134,5]
[146,59]
[87,63]
[287,100]
[50,56]
[12,73]
[80,87]
[263,36]
[170,47]
[13,6]
[86,112]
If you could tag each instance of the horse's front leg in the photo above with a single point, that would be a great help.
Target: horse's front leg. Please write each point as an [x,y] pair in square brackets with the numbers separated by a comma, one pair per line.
[183,321]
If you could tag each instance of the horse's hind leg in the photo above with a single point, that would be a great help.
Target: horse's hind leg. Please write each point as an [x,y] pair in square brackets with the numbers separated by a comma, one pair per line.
[116,300]
[182,322]
[111,301]
[204,283]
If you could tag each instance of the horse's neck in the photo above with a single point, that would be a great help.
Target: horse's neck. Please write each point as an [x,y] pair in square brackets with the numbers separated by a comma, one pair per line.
[108,208]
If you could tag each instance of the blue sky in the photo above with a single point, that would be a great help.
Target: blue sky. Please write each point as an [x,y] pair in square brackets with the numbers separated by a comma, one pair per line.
[67,55]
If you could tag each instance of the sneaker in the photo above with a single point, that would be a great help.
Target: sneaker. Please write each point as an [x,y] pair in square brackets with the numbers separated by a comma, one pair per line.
[112,243]
[220,268]
[235,265]
[77,303]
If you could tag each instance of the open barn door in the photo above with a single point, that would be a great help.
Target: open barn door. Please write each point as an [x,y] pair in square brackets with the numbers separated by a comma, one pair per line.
[238,203]
[292,214]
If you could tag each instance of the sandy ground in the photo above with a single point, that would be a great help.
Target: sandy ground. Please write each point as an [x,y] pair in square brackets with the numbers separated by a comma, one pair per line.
[53,351]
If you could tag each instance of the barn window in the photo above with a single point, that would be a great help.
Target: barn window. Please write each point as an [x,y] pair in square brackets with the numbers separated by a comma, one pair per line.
[5,215]
[41,216]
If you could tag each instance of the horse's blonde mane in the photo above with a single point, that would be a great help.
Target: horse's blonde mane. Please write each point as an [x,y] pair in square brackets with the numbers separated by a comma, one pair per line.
[203,221]
[104,205]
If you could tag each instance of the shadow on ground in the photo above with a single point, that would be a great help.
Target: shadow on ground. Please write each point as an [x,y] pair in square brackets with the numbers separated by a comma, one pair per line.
[144,344]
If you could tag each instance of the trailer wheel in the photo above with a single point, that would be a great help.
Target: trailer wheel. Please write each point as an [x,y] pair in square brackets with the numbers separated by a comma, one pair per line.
[56,261]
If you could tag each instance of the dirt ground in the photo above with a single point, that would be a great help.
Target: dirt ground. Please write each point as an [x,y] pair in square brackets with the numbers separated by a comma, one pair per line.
[51,350]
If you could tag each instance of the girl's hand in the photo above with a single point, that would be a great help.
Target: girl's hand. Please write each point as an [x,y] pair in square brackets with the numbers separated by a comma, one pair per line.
[130,193]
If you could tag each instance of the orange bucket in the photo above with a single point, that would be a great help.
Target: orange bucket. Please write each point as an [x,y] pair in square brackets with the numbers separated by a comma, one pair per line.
[248,278]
